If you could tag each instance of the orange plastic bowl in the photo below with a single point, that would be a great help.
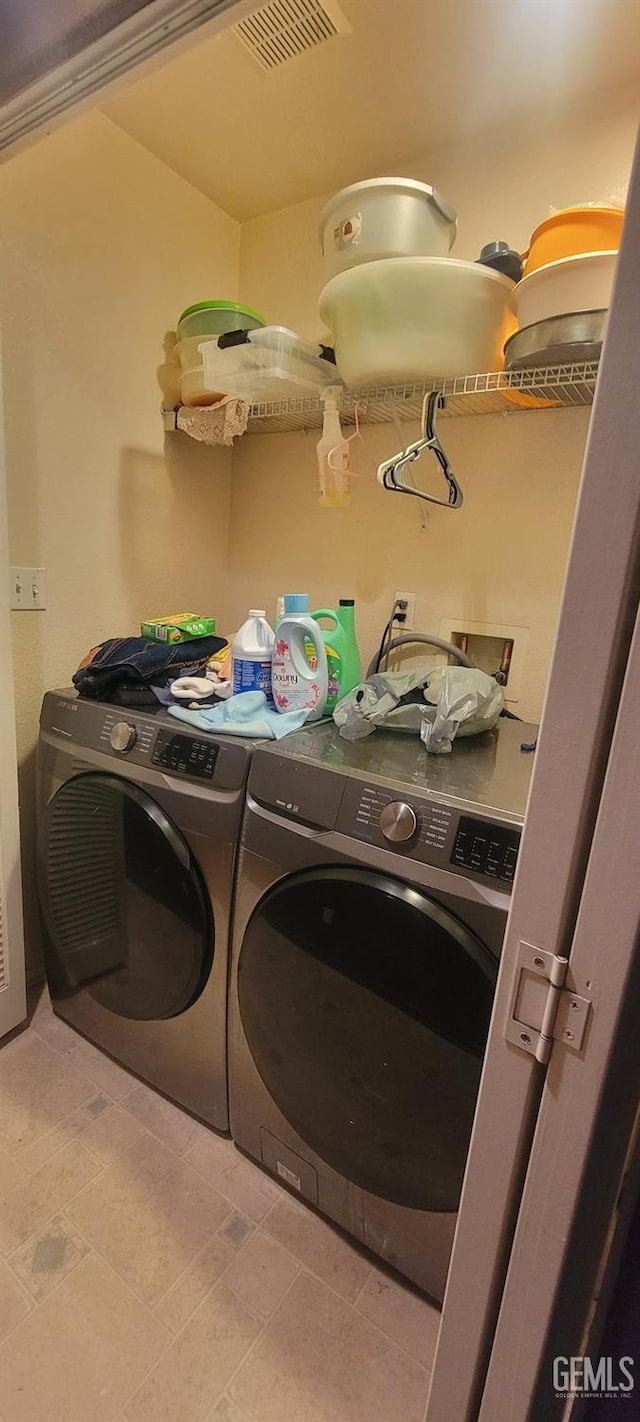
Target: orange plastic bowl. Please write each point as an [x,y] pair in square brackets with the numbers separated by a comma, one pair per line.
[572,232]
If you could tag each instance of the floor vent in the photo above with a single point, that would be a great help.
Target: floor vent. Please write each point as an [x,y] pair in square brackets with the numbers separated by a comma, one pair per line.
[285,28]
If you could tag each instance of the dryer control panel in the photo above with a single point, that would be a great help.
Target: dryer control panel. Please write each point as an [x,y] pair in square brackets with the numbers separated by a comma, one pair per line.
[430,831]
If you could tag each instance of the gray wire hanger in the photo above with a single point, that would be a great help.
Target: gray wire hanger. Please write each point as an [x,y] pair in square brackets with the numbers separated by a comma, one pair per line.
[390,474]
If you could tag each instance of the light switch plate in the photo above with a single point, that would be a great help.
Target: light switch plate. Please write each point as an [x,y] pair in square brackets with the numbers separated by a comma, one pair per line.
[28,590]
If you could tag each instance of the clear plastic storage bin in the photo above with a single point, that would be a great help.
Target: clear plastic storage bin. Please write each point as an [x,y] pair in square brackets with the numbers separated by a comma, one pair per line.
[271,364]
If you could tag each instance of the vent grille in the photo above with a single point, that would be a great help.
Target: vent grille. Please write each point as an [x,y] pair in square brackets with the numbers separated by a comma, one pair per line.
[85,876]
[285,28]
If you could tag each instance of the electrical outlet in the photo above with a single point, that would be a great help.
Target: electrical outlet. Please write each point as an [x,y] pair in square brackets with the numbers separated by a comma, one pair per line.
[28,590]
[410,614]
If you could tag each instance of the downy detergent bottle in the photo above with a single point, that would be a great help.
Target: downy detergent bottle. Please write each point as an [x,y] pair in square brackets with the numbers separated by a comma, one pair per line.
[299,679]
[343,657]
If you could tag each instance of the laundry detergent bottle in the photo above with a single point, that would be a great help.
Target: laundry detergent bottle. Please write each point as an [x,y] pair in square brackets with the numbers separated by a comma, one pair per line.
[299,679]
[251,654]
[343,657]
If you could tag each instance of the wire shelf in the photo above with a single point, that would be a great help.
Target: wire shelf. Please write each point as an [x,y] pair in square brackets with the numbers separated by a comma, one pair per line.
[507,392]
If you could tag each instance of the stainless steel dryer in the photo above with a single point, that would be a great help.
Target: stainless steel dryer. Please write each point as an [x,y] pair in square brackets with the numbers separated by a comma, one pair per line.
[138,824]
[372,895]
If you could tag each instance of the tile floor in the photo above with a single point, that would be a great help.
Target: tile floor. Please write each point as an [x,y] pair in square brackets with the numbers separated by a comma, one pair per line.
[149,1273]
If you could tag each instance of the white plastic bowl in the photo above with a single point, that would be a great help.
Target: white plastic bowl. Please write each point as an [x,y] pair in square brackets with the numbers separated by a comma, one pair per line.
[193,389]
[571,284]
[385,217]
[413,318]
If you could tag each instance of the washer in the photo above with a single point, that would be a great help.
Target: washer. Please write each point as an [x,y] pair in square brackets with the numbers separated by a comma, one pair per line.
[372,896]
[138,824]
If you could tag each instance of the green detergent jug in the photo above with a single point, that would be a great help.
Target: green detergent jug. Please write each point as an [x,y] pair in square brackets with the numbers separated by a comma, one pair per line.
[343,657]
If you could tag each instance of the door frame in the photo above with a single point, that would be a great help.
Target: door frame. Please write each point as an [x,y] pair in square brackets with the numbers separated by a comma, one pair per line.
[13,1001]
[591,650]
[157,34]
[588,1112]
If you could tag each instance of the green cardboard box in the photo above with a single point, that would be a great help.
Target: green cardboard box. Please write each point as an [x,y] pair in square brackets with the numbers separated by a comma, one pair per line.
[179,627]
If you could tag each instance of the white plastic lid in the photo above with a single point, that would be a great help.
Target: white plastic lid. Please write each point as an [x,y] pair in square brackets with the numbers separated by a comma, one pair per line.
[257,612]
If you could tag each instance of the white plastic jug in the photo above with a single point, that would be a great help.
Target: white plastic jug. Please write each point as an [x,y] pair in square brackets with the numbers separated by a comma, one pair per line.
[251,653]
[299,677]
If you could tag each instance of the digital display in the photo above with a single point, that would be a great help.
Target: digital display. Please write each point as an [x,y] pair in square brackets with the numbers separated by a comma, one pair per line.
[486,848]
[185,754]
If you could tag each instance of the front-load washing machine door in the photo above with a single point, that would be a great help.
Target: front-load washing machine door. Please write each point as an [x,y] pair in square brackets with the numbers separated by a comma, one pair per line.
[365,1006]
[126,915]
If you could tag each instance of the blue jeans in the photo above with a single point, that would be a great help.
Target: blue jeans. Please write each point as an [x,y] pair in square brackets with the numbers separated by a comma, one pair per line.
[123,668]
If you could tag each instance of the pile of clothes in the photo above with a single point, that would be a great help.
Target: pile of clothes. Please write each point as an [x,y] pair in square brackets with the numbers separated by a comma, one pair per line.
[191,679]
[135,671]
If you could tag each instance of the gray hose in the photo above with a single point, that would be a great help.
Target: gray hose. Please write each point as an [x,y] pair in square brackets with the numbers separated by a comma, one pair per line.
[411,637]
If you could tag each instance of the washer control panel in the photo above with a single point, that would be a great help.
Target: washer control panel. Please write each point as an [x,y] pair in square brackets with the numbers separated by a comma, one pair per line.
[429,831]
[486,848]
[185,754]
[127,738]
[398,822]
[122,737]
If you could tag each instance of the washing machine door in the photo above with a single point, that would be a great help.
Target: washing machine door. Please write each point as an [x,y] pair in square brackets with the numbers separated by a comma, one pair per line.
[126,915]
[365,1006]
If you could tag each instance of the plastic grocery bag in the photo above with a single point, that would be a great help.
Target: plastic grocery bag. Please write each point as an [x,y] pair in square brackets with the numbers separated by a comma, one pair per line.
[437,705]
[467,702]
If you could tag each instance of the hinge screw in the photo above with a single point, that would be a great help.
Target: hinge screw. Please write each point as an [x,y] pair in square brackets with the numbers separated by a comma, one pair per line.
[569,1035]
[524,1037]
[539,962]
[574,1003]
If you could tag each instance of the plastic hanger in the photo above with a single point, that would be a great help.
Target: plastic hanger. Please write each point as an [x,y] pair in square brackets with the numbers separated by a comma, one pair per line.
[390,473]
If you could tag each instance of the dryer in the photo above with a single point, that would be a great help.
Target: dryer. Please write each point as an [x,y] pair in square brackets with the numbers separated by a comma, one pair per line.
[138,822]
[372,896]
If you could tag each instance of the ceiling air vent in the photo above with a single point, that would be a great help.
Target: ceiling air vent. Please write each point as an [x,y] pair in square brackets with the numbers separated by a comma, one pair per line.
[285,28]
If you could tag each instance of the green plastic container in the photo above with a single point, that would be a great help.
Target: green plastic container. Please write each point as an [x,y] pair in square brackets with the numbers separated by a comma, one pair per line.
[343,656]
[215,318]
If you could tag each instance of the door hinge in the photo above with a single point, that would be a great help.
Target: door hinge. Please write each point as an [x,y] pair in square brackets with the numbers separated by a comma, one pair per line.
[543,1010]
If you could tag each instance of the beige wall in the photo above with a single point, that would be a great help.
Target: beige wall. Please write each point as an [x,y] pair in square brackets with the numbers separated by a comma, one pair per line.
[101,247]
[502,558]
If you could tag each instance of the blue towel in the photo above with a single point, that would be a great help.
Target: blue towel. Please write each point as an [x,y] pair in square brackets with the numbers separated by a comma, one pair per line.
[247,714]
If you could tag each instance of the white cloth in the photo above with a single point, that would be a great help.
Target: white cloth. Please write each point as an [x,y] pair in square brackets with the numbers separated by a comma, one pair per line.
[215,424]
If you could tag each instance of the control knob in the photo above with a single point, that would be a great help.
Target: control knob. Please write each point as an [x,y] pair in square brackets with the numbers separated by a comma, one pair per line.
[122,737]
[398,822]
